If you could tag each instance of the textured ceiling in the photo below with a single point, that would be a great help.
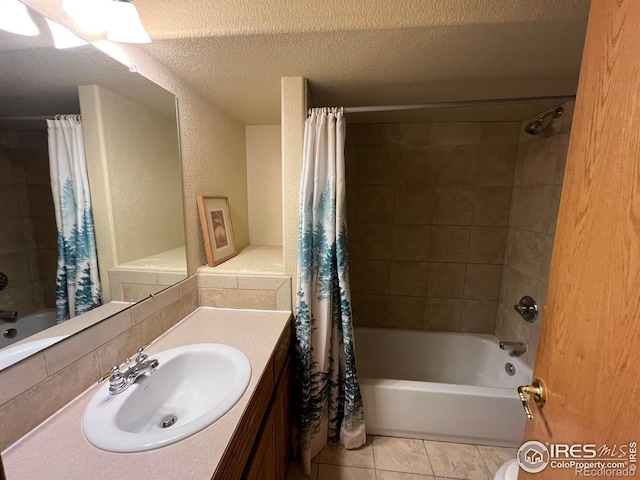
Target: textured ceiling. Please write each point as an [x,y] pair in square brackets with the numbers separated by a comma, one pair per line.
[374,52]
[358,52]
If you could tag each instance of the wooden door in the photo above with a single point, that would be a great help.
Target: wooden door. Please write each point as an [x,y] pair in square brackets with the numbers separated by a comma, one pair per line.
[589,354]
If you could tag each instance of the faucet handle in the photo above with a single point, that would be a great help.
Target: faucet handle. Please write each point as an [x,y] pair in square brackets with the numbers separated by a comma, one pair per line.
[141,356]
[113,373]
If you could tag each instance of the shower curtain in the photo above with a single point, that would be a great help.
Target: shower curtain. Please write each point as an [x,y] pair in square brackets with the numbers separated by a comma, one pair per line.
[77,281]
[329,404]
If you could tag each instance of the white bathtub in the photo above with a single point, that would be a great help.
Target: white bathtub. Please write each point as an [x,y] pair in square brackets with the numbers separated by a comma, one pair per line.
[450,387]
[26,326]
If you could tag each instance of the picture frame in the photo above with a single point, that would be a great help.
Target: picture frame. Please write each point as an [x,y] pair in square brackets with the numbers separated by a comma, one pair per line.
[217,229]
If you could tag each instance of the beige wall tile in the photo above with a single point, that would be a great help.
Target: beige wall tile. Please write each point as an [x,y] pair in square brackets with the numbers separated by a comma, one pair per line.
[561,160]
[407,278]
[211,297]
[545,264]
[169,278]
[18,298]
[458,165]
[11,236]
[491,206]
[513,328]
[352,204]
[442,314]
[13,265]
[411,242]
[134,276]
[419,133]
[375,204]
[478,316]
[188,285]
[500,133]
[457,460]
[445,280]
[534,343]
[33,259]
[496,166]
[482,282]
[33,406]
[370,241]
[133,292]
[251,299]
[449,244]
[373,134]
[554,209]
[504,283]
[260,282]
[209,280]
[539,165]
[418,165]
[377,165]
[21,376]
[177,311]
[283,297]
[370,276]
[413,205]
[527,252]
[401,455]
[71,349]
[370,310]
[533,208]
[460,133]
[453,205]
[406,312]
[541,300]
[487,245]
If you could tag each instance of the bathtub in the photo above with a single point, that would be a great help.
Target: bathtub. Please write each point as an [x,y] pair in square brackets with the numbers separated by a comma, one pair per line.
[26,326]
[450,387]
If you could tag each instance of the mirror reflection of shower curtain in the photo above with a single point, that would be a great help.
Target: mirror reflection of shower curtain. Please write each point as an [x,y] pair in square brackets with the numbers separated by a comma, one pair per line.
[77,280]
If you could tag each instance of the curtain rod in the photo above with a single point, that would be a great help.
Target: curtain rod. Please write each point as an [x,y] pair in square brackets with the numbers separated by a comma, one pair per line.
[467,103]
[36,117]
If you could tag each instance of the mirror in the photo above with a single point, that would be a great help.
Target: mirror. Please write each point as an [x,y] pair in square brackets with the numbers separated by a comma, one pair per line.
[131,146]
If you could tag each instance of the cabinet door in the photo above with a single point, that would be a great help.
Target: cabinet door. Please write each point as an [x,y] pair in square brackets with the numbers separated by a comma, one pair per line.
[261,464]
[282,426]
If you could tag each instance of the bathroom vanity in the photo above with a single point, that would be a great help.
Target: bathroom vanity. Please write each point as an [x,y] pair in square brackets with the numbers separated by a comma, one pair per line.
[252,440]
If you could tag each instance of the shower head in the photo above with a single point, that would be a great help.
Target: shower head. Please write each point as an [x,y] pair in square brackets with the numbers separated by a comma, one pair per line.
[536,128]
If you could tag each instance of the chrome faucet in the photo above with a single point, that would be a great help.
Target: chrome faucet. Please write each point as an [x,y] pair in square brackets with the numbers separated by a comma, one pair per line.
[516,348]
[8,316]
[119,381]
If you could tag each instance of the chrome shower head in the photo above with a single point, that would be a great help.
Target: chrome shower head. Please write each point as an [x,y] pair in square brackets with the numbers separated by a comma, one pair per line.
[536,128]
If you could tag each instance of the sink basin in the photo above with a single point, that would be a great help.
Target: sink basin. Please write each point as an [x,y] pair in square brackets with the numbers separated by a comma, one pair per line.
[193,386]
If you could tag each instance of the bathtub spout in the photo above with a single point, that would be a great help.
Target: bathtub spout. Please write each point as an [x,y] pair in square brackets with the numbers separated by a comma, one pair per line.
[516,348]
[8,316]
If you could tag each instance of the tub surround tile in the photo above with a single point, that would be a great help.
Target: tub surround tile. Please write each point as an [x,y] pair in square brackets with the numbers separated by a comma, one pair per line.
[457,460]
[413,205]
[533,211]
[375,204]
[539,165]
[335,454]
[335,472]
[442,314]
[379,165]
[482,282]
[445,280]
[417,165]
[407,278]
[527,252]
[457,165]
[401,455]
[370,276]
[406,312]
[374,134]
[370,310]
[411,242]
[419,133]
[487,245]
[370,241]
[500,133]
[453,205]
[449,244]
[520,285]
[494,457]
[460,133]
[478,316]
[491,206]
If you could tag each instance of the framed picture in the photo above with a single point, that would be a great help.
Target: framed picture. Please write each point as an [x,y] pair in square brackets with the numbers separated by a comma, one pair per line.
[216,229]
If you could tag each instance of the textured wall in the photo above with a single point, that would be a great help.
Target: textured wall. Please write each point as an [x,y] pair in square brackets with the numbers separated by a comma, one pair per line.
[28,248]
[428,206]
[264,184]
[134,171]
[532,225]
[211,142]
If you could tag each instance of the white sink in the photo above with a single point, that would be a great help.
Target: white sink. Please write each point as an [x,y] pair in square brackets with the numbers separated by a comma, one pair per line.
[196,384]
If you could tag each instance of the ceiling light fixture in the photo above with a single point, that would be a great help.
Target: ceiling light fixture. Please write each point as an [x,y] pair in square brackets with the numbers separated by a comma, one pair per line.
[125,24]
[14,18]
[88,14]
[63,38]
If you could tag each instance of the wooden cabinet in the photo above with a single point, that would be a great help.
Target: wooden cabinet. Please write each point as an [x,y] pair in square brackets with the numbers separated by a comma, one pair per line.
[261,444]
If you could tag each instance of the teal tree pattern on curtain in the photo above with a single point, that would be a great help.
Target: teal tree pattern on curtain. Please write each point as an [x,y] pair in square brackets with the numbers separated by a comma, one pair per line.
[77,280]
[329,403]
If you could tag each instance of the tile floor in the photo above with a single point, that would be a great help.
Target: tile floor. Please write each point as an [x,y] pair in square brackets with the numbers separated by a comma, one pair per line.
[390,458]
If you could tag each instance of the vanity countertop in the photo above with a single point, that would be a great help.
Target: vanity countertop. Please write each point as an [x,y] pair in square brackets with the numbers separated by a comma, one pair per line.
[57,449]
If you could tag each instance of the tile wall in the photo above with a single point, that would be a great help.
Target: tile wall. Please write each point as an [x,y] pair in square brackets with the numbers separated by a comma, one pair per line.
[28,248]
[532,223]
[428,209]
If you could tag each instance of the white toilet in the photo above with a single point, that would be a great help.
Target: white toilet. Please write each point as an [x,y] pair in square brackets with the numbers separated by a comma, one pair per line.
[508,471]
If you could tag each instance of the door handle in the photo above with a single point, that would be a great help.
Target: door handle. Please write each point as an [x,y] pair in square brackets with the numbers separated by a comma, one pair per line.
[539,392]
